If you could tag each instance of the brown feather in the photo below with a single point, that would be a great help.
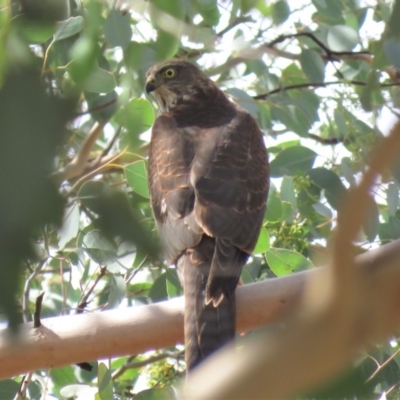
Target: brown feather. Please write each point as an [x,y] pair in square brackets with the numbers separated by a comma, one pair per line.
[209,180]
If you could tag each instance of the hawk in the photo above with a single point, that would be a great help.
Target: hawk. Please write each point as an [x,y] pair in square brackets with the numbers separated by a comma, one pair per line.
[209,181]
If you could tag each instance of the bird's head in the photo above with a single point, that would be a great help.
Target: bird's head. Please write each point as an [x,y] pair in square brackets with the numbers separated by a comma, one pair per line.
[175,81]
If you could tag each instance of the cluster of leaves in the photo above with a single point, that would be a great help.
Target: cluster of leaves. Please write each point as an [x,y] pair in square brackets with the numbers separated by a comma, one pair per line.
[75,219]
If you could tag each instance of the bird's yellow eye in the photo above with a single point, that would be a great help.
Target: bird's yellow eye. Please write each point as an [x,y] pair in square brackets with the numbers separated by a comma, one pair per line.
[169,73]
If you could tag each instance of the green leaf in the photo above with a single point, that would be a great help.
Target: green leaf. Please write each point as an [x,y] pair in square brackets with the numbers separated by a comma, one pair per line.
[313,65]
[370,94]
[247,5]
[158,291]
[36,33]
[83,56]
[287,212]
[136,175]
[99,248]
[297,111]
[392,197]
[33,125]
[342,38]
[392,50]
[8,389]
[323,210]
[103,106]
[105,383]
[280,12]
[155,394]
[371,223]
[117,29]
[137,116]
[393,23]
[274,208]
[99,81]
[394,227]
[68,28]
[70,226]
[284,262]
[208,9]
[174,287]
[292,160]
[287,191]
[117,291]
[262,244]
[246,101]
[331,183]
[169,30]
[116,217]
[62,376]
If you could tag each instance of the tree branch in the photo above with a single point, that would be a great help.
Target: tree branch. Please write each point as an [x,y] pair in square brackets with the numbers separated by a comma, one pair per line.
[317,85]
[78,165]
[76,338]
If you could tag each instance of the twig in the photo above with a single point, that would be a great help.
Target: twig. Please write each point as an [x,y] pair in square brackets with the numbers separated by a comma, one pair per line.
[78,164]
[107,149]
[317,85]
[98,108]
[330,55]
[38,309]
[143,363]
[137,269]
[239,20]
[25,299]
[383,365]
[94,172]
[84,302]
[325,140]
[21,395]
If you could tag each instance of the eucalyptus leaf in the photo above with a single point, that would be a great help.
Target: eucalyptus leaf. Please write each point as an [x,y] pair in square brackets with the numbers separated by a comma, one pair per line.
[68,28]
[284,262]
[136,175]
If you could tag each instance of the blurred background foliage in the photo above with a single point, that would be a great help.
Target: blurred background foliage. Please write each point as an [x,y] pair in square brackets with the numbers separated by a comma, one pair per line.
[321,78]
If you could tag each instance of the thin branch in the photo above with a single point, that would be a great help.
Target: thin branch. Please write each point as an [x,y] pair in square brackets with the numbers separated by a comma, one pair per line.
[383,365]
[150,360]
[317,85]
[331,55]
[27,286]
[84,302]
[237,21]
[97,108]
[107,149]
[326,141]
[253,53]
[21,395]
[78,164]
[96,171]
[38,310]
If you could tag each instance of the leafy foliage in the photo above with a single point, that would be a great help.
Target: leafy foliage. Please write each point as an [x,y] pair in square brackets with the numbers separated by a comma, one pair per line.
[75,219]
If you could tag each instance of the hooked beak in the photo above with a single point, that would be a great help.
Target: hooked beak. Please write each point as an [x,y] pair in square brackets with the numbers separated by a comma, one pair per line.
[150,84]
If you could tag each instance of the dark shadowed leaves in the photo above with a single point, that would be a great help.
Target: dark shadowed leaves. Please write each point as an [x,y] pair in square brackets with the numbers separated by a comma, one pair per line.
[8,389]
[115,215]
[32,126]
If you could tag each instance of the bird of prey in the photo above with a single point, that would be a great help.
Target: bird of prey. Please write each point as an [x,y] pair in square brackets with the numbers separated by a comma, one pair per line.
[209,181]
